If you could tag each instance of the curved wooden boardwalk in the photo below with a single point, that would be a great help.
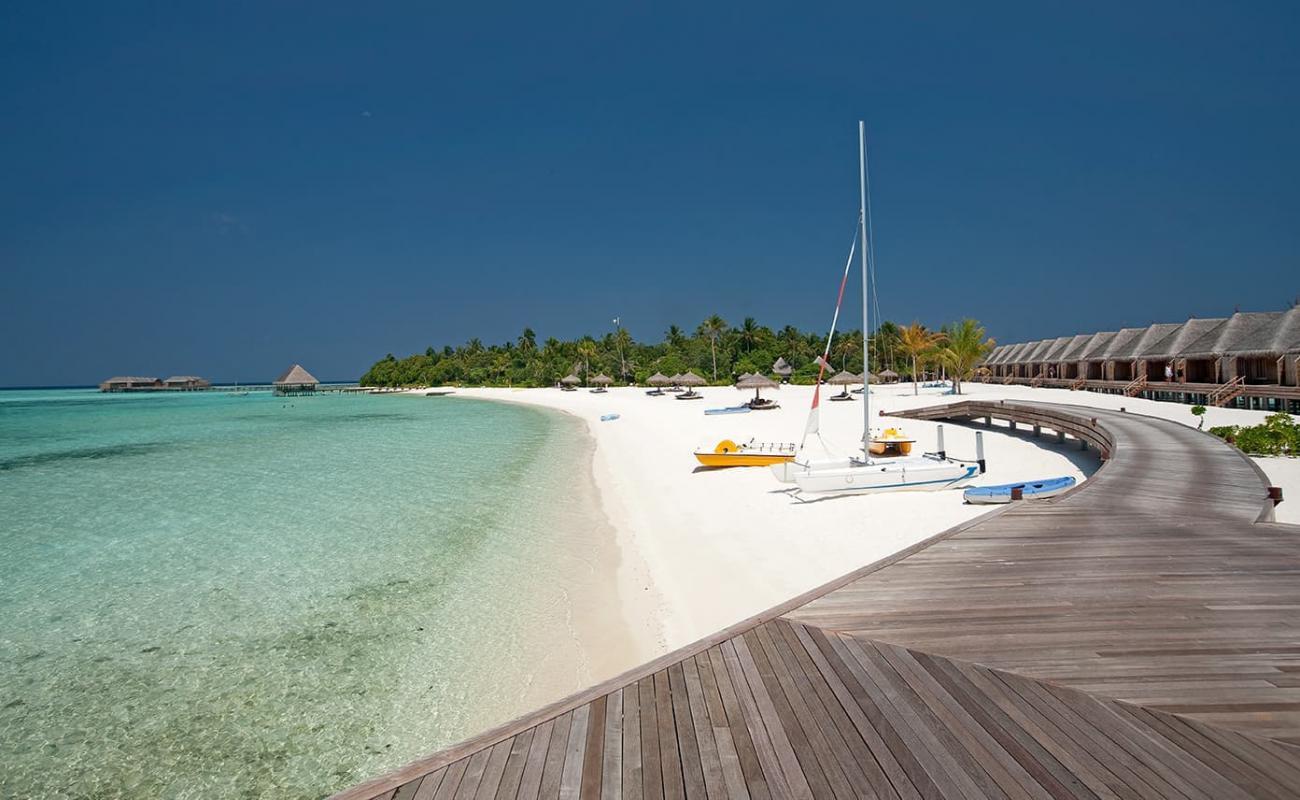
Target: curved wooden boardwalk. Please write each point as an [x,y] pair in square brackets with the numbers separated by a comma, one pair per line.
[1138,637]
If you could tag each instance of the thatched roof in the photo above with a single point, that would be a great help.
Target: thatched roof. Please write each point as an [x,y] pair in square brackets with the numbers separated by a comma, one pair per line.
[1135,346]
[868,376]
[743,376]
[757,382]
[295,376]
[1287,338]
[1035,352]
[1122,344]
[659,379]
[888,373]
[1054,350]
[1243,334]
[1175,342]
[571,380]
[1013,353]
[131,379]
[844,378]
[602,380]
[1096,346]
[1074,348]
[185,379]
[780,367]
[691,379]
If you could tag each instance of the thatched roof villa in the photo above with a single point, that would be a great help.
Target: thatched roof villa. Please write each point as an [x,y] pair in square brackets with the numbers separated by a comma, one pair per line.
[1250,358]
[130,383]
[186,383]
[295,381]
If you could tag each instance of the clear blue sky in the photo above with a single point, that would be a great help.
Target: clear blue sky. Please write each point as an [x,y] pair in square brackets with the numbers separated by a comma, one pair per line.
[225,188]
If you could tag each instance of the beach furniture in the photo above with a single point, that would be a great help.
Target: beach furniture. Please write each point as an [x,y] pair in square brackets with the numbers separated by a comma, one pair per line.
[1029,490]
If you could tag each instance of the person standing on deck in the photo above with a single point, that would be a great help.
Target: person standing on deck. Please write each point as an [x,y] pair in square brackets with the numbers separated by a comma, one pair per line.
[1169,373]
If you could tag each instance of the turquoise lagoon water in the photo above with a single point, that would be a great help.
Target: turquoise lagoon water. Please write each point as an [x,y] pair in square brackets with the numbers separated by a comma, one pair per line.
[213,596]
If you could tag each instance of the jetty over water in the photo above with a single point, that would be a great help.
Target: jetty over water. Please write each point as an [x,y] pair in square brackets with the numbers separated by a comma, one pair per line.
[1137,637]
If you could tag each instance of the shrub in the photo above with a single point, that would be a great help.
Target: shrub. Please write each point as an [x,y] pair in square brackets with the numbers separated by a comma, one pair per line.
[1279,435]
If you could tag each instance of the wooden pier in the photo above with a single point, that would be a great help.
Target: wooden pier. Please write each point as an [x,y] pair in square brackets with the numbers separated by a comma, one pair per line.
[1136,637]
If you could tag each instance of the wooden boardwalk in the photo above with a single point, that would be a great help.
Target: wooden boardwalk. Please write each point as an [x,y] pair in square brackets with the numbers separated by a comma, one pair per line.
[1138,637]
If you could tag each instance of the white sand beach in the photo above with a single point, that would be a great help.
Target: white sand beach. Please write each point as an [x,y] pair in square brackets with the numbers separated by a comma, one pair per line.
[702,549]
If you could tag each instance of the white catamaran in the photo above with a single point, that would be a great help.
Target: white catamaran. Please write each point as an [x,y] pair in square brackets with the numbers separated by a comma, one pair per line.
[858,475]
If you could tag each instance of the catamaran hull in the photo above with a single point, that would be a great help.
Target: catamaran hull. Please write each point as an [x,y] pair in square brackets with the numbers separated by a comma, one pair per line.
[865,479]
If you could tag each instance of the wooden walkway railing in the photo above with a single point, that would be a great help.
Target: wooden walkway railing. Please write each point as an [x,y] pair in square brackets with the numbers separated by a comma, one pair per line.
[1138,637]
[1227,392]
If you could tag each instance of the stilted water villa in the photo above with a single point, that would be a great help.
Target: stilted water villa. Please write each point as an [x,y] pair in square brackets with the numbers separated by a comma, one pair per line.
[295,381]
[1248,360]
[134,383]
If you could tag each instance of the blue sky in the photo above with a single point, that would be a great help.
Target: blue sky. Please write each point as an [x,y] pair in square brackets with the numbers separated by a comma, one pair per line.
[223,189]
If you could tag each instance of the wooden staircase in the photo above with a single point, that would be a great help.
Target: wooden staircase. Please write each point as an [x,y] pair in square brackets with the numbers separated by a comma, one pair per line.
[1135,386]
[1227,392]
[1077,384]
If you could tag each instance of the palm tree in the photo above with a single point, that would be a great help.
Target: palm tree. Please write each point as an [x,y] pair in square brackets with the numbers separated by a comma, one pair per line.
[587,350]
[847,345]
[917,342]
[713,327]
[527,341]
[623,340]
[966,346]
[749,333]
[676,338]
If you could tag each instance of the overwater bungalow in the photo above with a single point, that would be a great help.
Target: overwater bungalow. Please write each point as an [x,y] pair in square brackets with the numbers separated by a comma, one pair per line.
[1250,359]
[185,383]
[295,381]
[130,383]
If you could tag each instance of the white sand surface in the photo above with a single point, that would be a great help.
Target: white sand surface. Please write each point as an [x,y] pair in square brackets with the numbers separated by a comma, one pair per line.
[703,549]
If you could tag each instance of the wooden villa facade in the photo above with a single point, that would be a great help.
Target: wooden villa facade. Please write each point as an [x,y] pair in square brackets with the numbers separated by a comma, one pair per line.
[1248,360]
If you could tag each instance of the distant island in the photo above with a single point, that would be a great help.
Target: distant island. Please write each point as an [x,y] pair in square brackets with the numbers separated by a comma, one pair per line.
[715,350]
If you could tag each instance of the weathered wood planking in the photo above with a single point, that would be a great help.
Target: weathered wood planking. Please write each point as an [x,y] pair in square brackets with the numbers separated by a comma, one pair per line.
[1137,637]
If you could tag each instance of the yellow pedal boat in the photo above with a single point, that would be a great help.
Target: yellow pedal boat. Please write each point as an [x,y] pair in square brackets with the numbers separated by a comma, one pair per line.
[749,454]
[891,443]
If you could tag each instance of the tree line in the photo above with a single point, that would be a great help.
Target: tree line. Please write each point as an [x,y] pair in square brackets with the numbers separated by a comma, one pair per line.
[714,350]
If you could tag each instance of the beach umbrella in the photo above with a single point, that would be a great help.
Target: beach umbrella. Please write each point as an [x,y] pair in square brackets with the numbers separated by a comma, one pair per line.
[691,379]
[659,379]
[743,376]
[571,380]
[780,367]
[869,377]
[888,375]
[757,383]
[844,378]
[602,380]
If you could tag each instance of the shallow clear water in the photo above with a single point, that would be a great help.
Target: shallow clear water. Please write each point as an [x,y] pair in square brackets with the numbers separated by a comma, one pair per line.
[214,596]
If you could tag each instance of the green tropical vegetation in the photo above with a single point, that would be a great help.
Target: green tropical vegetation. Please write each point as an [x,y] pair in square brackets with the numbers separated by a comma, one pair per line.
[716,351]
[1278,435]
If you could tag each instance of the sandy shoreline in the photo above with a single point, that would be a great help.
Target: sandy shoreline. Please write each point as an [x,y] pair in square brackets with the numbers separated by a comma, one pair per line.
[701,550]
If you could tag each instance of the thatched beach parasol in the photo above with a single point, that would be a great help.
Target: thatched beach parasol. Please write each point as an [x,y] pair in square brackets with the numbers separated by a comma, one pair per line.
[757,383]
[691,379]
[845,379]
[888,375]
[602,380]
[780,367]
[659,379]
[570,380]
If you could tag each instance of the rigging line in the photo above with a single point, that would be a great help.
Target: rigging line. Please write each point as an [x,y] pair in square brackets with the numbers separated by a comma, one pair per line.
[812,425]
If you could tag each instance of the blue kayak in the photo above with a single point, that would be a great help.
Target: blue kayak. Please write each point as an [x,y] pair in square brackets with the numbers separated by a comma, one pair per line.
[728,410]
[608,417]
[1031,490]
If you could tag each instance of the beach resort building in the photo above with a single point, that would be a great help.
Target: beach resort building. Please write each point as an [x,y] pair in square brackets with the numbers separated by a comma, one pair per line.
[185,383]
[130,383]
[295,381]
[1247,360]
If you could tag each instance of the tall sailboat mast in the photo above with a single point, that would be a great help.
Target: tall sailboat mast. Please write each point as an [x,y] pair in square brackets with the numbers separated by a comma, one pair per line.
[866,329]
